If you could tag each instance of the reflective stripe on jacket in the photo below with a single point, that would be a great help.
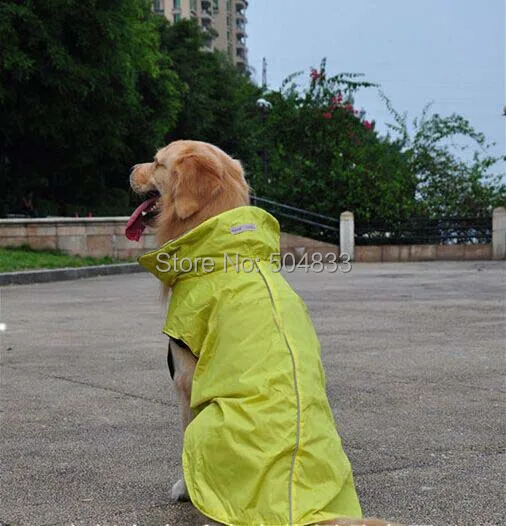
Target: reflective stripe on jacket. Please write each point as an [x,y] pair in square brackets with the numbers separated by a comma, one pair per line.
[262,447]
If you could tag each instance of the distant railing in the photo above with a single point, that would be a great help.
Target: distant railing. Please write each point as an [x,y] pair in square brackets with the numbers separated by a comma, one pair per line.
[303,222]
[413,231]
[426,231]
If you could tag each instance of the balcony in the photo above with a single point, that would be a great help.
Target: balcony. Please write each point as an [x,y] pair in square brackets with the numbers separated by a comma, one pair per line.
[206,15]
[205,4]
[240,44]
[210,34]
[241,4]
[207,27]
[240,57]
[240,29]
[240,14]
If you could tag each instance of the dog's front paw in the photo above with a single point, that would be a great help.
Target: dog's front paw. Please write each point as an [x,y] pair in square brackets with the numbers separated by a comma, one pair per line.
[179,492]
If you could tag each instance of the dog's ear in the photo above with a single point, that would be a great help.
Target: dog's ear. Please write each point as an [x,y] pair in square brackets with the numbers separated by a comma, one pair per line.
[198,178]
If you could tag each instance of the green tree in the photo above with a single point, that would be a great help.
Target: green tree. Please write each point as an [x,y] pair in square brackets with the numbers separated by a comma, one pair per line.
[218,100]
[450,182]
[84,90]
[325,156]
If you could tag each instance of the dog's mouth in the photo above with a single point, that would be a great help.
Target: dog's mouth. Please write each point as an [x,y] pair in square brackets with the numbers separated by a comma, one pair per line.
[143,216]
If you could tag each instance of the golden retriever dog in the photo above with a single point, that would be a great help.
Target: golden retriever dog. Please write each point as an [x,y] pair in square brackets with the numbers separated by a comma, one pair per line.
[188,183]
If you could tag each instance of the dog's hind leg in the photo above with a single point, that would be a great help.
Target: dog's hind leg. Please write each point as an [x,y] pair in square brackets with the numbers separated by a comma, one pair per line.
[182,364]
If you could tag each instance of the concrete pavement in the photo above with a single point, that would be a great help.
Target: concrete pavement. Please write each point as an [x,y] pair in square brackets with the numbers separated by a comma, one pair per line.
[414,355]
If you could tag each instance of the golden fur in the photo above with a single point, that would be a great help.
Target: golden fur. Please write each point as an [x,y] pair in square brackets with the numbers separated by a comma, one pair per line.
[196,181]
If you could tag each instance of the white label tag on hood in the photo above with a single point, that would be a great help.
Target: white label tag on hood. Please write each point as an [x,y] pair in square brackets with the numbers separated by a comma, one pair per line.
[242,228]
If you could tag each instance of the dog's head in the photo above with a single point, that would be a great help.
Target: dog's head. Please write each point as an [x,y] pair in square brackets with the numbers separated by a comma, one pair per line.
[187,183]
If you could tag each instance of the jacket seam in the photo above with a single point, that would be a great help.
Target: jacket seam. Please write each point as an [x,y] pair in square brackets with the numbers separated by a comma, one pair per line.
[297,395]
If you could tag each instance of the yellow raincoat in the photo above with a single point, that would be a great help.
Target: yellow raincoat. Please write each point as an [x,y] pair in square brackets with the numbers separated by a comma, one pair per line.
[262,448]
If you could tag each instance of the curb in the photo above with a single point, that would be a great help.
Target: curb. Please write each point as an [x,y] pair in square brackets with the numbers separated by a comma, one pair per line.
[26,277]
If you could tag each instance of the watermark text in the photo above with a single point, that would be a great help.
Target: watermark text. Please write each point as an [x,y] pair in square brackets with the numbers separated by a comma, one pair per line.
[316,262]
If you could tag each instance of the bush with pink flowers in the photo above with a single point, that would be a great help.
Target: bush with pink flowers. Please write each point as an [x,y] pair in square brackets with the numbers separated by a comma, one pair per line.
[325,156]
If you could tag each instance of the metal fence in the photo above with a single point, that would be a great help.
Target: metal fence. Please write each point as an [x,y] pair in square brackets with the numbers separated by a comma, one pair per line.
[302,222]
[413,231]
[423,230]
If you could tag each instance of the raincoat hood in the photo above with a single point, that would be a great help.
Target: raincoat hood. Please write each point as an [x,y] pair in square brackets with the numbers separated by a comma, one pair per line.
[246,232]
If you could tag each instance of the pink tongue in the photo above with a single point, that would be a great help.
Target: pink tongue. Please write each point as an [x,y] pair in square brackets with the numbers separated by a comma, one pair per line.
[135,226]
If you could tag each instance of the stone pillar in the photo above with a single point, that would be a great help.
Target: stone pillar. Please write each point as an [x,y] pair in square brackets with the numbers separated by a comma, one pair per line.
[347,234]
[499,233]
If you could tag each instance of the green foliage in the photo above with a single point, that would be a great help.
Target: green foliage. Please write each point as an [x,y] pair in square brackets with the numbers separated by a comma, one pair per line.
[83,90]
[324,156]
[24,258]
[218,100]
[449,183]
[88,88]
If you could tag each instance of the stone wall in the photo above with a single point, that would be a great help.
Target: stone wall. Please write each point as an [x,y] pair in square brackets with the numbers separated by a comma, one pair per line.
[105,237]
[84,236]
[394,253]
[298,245]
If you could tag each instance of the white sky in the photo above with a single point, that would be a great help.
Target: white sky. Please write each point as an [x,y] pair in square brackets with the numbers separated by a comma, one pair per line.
[451,52]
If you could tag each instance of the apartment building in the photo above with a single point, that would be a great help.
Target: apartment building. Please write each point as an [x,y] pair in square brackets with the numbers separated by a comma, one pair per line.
[223,20]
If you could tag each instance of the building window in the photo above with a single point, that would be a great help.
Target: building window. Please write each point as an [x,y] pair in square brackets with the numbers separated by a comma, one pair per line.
[158,6]
[216,6]
[177,18]
[177,4]
[193,5]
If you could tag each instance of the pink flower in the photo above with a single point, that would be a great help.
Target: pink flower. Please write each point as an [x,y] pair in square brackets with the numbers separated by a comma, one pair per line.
[348,107]
[327,115]
[368,125]
[337,100]
[315,75]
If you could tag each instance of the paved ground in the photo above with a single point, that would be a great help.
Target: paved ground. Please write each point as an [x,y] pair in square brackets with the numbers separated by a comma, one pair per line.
[414,355]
